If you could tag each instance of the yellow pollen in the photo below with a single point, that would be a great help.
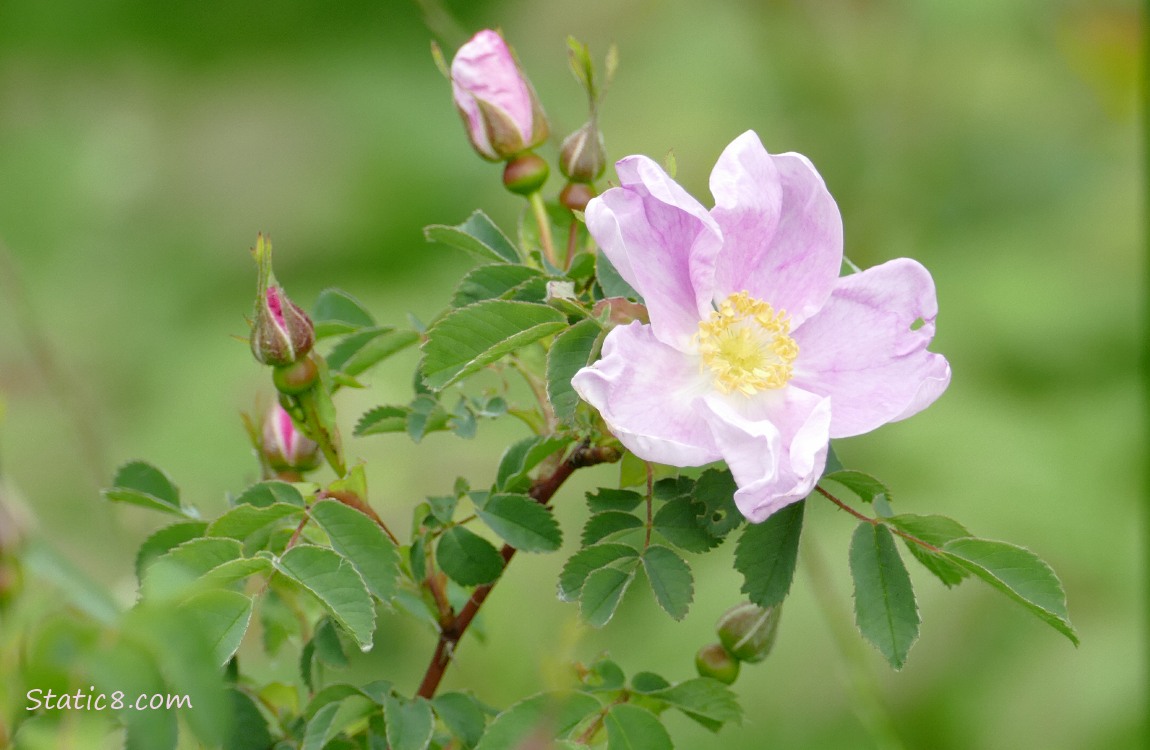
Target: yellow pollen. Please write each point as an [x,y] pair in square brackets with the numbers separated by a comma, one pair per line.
[747,345]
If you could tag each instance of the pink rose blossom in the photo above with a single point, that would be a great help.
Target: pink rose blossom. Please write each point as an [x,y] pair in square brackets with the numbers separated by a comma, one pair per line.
[497,103]
[757,352]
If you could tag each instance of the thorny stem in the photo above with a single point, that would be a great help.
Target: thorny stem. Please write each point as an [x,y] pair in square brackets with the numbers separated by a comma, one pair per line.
[877,521]
[539,208]
[541,491]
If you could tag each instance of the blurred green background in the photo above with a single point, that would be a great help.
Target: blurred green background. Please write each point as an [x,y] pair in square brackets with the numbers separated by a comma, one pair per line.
[143,145]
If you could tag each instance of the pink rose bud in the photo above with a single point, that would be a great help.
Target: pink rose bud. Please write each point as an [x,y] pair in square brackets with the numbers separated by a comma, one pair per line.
[499,108]
[286,448]
[282,332]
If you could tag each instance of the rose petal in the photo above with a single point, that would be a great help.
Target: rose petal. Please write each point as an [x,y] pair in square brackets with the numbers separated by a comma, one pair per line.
[860,349]
[775,444]
[663,243]
[782,232]
[650,396]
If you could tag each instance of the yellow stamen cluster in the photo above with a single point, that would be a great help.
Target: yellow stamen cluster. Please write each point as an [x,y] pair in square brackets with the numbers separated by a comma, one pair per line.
[747,345]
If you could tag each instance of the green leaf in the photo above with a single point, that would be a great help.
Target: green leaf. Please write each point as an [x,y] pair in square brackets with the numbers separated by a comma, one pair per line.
[363,542]
[603,676]
[244,520]
[468,559]
[680,524]
[223,617]
[382,419]
[612,283]
[182,566]
[1018,573]
[321,728]
[936,531]
[337,312]
[425,415]
[885,609]
[477,236]
[333,580]
[586,561]
[410,724]
[159,543]
[328,648]
[634,728]
[671,580]
[367,348]
[572,350]
[263,494]
[602,592]
[863,485]
[249,729]
[140,483]
[522,522]
[461,714]
[766,555]
[648,682]
[716,491]
[603,525]
[469,338]
[491,282]
[278,621]
[610,499]
[523,456]
[555,713]
[705,700]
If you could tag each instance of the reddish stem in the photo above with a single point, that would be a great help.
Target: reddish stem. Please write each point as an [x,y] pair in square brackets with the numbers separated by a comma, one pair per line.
[877,521]
[542,491]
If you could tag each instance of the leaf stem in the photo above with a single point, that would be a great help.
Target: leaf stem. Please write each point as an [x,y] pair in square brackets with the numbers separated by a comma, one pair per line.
[539,208]
[877,521]
[650,499]
[541,491]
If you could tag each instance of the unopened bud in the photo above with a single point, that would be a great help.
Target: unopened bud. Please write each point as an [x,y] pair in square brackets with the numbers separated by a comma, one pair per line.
[716,662]
[525,174]
[285,448]
[282,333]
[748,631]
[496,101]
[583,157]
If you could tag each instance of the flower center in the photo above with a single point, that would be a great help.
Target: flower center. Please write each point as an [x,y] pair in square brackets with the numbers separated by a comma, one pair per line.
[747,345]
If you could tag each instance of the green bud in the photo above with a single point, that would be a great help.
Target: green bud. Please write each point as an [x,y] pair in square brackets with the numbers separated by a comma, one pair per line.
[716,662]
[748,631]
[525,174]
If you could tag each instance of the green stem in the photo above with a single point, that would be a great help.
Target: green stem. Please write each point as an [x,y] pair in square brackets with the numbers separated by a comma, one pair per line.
[310,408]
[540,210]
[865,697]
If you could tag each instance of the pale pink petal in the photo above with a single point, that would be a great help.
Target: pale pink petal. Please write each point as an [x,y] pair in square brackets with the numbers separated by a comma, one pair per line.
[775,444]
[782,232]
[663,243]
[861,351]
[485,69]
[650,395]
